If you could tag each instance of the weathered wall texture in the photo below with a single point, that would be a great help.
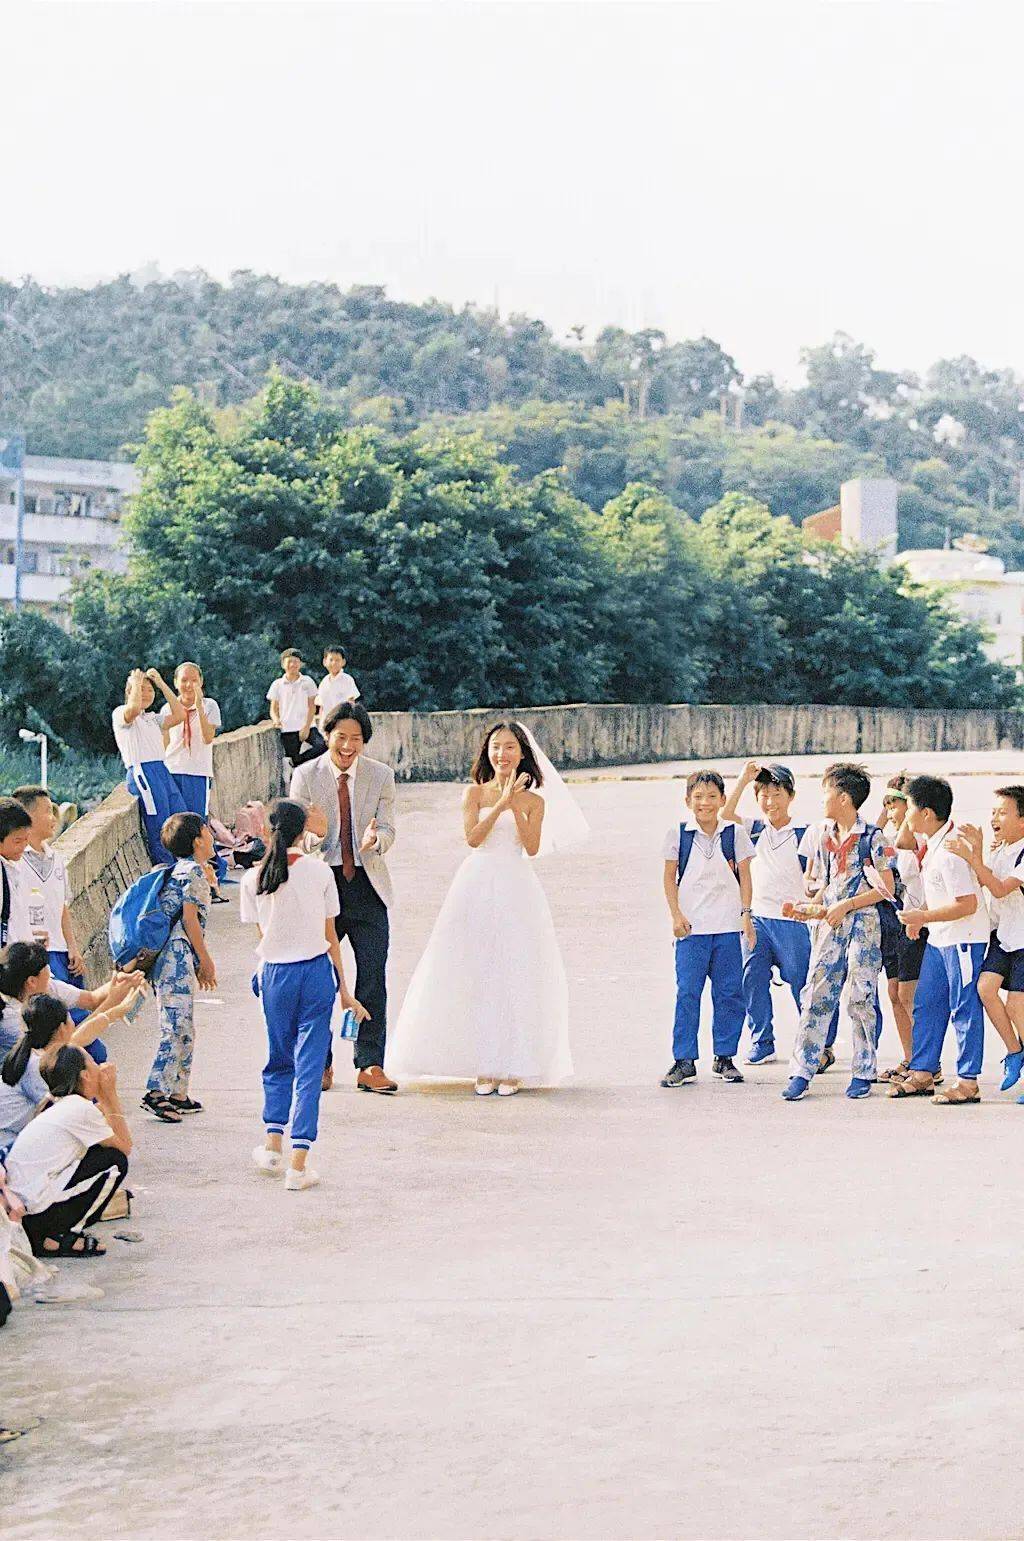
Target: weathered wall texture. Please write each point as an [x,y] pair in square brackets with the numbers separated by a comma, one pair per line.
[440,746]
[105,851]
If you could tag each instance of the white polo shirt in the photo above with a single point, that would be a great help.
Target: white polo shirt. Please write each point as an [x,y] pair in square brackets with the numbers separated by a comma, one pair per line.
[19,924]
[775,873]
[947,878]
[1008,914]
[43,1158]
[196,759]
[140,741]
[46,882]
[335,690]
[292,918]
[709,894]
[292,697]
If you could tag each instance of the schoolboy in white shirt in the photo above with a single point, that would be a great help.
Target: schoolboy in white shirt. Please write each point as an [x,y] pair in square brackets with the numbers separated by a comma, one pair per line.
[1003,968]
[46,880]
[958,933]
[15,832]
[292,700]
[778,878]
[336,687]
[708,890]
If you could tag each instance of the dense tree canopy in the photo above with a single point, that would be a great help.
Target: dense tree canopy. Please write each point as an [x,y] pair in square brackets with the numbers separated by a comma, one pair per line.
[81,369]
[454,582]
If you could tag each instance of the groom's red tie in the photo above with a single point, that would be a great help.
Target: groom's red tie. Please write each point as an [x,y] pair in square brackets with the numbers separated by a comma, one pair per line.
[348,861]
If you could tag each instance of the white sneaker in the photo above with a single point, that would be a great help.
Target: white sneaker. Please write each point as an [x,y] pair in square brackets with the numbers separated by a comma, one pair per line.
[485,1088]
[269,1161]
[295,1181]
[507,1088]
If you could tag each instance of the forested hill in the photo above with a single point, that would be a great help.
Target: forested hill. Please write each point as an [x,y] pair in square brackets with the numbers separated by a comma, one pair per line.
[81,369]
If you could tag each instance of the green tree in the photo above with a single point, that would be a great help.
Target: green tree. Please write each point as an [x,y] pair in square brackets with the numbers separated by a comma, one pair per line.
[662,610]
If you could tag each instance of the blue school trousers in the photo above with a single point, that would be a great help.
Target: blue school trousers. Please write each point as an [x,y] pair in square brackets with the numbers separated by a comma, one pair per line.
[195,792]
[786,945]
[943,997]
[698,959]
[159,797]
[59,969]
[297,999]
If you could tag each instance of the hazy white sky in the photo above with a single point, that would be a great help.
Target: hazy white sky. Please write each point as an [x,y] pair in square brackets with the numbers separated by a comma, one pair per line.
[764,174]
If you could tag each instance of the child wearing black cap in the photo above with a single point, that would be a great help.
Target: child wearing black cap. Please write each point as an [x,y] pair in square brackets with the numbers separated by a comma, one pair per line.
[781,850]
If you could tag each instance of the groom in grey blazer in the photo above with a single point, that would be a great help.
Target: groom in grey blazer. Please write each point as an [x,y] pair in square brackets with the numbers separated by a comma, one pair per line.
[357,797]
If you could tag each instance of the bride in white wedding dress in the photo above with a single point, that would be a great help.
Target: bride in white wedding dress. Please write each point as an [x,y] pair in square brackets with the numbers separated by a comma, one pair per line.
[489,999]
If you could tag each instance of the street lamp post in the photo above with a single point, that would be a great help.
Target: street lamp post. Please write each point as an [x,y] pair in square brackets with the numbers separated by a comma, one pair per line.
[28,737]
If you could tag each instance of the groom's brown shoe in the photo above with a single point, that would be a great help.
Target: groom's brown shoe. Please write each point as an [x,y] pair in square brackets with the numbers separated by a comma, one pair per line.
[374,1080]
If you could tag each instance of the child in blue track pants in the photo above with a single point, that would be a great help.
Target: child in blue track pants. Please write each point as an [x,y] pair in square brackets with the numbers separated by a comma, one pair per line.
[292,899]
[1003,877]
[956,916]
[707,889]
[777,873]
[188,744]
[846,950]
[141,743]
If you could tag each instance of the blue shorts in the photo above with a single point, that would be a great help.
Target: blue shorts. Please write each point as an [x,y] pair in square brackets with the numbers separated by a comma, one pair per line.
[1008,965]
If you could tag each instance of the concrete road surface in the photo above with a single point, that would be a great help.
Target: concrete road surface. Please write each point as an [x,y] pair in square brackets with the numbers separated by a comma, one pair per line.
[606,1311]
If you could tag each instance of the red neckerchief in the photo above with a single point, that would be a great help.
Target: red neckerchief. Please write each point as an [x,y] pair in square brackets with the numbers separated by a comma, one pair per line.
[841,849]
[293,857]
[186,728]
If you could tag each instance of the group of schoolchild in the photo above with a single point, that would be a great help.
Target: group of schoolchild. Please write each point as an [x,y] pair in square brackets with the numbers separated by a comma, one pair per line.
[827,908]
[64,1141]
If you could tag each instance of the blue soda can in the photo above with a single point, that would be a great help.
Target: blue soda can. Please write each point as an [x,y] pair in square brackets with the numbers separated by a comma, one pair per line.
[349,1026]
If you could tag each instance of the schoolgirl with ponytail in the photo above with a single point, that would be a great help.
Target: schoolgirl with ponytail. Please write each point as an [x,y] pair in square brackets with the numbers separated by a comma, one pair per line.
[292,899]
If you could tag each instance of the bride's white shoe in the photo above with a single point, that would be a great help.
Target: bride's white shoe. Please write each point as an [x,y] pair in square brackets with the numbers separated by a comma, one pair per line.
[507,1088]
[485,1088]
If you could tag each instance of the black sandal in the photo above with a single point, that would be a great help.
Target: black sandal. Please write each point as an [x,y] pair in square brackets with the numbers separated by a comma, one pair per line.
[66,1245]
[161,1108]
[184,1105]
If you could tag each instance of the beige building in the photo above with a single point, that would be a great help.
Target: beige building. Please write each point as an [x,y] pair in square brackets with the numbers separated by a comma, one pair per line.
[72,526]
[975,582]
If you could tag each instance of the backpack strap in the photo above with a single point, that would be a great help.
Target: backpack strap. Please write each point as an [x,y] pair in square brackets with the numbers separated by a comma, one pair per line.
[801,858]
[1020,857]
[685,847]
[728,836]
[756,829]
[5,908]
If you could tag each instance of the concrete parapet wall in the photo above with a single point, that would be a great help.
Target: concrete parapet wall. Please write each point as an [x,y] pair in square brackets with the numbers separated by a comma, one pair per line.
[441,746]
[105,851]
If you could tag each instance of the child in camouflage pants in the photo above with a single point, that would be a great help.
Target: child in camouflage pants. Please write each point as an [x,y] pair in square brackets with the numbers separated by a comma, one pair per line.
[182,965]
[847,949]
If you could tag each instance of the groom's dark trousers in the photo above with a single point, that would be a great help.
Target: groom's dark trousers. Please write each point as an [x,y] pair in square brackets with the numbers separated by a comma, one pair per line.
[364,920]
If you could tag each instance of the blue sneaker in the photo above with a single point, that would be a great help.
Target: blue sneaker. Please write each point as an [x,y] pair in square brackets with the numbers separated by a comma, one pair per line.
[796,1089]
[1013,1064]
[858,1087]
[761,1054]
[1021,1100]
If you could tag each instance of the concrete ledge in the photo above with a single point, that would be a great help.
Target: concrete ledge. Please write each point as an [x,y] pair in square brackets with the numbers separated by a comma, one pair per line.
[441,746]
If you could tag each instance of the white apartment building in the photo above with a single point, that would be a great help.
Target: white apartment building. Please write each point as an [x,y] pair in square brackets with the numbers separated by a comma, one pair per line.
[72,526]
[976,583]
[982,590]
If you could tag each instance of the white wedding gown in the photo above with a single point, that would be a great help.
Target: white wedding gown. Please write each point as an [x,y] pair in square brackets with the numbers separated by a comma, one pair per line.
[489,996]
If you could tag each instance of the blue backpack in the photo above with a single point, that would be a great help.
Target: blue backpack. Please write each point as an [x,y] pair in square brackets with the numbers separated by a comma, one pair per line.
[686,838]
[139,926]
